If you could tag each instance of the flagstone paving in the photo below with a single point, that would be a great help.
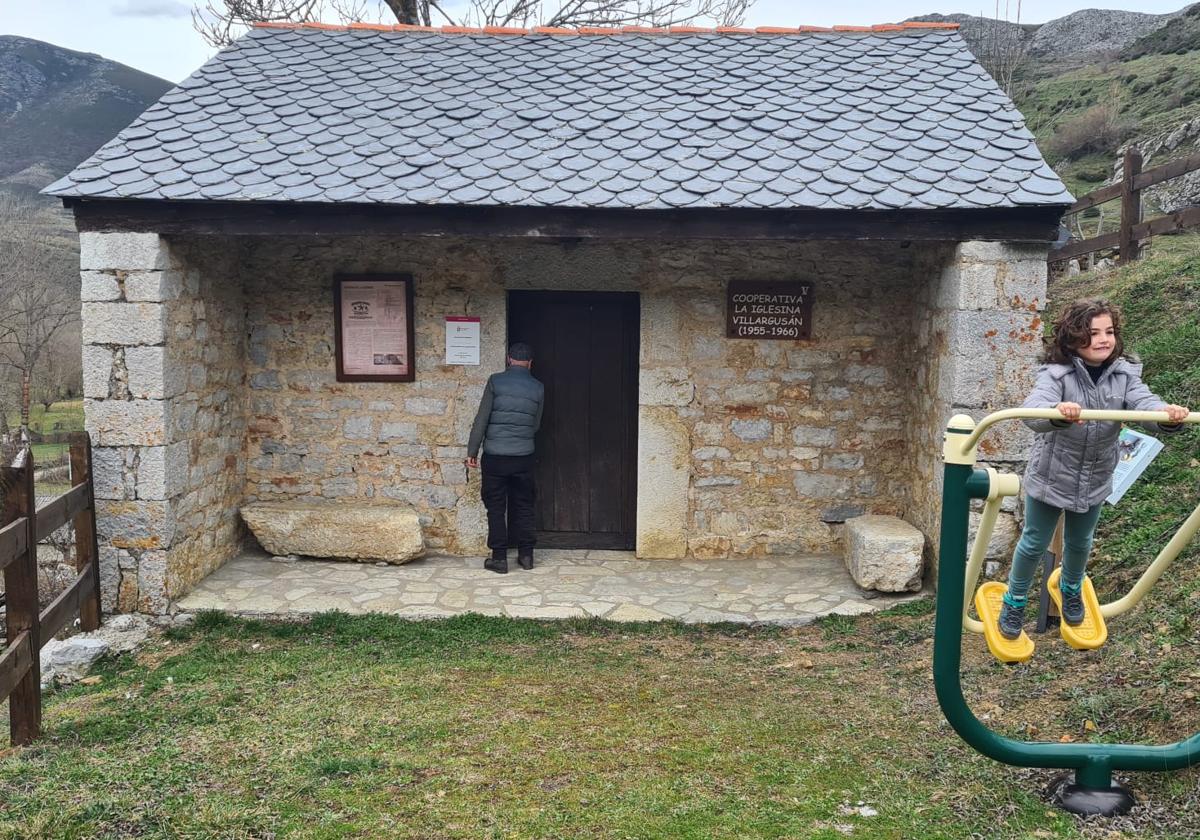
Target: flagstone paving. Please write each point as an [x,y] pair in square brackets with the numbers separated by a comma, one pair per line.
[564,584]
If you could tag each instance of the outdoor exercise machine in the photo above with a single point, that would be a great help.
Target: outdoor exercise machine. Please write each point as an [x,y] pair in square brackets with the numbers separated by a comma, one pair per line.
[1090,788]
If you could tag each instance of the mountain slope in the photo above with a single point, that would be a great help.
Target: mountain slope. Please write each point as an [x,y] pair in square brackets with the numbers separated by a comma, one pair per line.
[1092,33]
[1094,81]
[1083,36]
[57,106]
[1084,113]
[1180,37]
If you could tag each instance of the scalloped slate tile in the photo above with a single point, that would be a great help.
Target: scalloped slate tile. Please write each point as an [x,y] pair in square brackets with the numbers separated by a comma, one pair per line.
[838,120]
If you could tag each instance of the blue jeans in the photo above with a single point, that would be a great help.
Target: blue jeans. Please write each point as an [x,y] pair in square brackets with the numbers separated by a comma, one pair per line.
[1040,522]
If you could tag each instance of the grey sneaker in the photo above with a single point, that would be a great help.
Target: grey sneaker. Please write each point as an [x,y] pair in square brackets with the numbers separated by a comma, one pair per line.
[1011,621]
[1072,608]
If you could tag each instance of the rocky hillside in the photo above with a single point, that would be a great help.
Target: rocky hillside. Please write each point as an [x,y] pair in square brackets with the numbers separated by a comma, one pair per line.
[1084,36]
[1182,36]
[1093,33]
[1081,36]
[57,106]
[1142,90]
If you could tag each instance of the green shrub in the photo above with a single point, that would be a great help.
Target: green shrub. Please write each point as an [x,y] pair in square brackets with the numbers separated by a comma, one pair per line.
[1100,128]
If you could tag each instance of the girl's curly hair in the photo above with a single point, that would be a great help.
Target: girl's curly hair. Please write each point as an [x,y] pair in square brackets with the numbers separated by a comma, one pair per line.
[1072,330]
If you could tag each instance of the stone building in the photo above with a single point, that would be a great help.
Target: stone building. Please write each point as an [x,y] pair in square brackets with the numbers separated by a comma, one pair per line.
[604,194]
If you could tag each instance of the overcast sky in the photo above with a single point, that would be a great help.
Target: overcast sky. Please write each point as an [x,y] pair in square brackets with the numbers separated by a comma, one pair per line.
[157,36]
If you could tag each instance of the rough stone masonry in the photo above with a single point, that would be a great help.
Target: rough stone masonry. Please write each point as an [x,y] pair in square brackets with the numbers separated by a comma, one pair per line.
[209,383]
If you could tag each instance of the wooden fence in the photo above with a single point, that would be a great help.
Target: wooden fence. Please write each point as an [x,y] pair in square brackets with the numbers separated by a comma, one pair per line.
[1128,238]
[22,527]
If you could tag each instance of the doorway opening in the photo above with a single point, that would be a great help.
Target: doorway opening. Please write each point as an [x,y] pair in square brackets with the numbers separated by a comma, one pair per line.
[585,352]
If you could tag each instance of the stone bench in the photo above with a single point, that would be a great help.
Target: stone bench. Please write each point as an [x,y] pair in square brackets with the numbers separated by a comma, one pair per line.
[884,553]
[351,530]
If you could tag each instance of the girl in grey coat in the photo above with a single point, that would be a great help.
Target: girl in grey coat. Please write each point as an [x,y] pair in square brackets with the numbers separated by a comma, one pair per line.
[1072,462]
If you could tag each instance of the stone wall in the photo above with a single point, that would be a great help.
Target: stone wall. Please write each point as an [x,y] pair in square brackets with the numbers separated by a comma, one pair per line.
[787,438]
[977,334]
[310,435]
[209,382]
[744,446]
[163,367]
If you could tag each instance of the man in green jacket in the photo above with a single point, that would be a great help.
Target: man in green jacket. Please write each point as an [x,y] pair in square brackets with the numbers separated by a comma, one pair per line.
[509,415]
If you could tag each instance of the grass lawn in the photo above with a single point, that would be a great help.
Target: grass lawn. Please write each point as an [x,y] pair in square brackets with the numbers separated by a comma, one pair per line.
[49,453]
[62,417]
[485,727]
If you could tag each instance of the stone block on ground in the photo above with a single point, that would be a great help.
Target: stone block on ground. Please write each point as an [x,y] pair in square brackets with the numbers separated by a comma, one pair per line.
[349,530]
[1004,536]
[70,660]
[122,633]
[884,553]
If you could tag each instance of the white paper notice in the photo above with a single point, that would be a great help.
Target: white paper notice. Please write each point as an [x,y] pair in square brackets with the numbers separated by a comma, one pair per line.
[462,340]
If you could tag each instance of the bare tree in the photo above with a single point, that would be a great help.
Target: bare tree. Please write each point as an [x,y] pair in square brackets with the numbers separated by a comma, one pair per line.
[1004,45]
[37,299]
[220,22]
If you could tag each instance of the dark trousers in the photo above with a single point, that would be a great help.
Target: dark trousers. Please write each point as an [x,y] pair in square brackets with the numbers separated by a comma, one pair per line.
[508,492]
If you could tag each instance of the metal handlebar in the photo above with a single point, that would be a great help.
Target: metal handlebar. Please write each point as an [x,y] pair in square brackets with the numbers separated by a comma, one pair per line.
[966,451]
[1085,415]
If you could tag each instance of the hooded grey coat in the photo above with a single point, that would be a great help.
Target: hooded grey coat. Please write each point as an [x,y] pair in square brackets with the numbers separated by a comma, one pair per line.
[1071,465]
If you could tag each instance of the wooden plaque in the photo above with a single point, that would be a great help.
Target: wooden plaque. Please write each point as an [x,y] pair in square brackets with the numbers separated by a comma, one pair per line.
[768,309]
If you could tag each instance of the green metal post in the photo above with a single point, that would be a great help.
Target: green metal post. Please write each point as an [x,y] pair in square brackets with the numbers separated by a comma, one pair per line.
[1092,790]
[961,484]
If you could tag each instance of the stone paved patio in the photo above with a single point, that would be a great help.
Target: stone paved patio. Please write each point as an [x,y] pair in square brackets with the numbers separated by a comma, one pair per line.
[609,584]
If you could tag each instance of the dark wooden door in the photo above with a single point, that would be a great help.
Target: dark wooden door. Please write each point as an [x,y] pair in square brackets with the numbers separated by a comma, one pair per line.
[585,351]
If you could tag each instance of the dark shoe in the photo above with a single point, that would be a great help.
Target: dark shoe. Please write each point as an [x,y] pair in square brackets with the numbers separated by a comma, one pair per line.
[526,561]
[497,563]
[1072,608]
[1011,620]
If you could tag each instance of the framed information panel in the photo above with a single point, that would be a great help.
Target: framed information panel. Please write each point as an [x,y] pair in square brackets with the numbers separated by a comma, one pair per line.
[373,325]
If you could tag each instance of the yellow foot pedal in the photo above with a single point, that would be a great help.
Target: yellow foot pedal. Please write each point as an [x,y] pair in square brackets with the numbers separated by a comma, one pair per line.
[1092,632]
[988,600]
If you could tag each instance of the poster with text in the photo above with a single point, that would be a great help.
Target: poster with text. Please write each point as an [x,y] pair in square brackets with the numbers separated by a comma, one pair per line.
[374,326]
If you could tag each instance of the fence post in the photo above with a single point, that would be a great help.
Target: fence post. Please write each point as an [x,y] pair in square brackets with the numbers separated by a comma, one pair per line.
[20,587]
[87,555]
[1131,205]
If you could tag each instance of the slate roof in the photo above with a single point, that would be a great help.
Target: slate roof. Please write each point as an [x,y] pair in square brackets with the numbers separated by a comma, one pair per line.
[879,118]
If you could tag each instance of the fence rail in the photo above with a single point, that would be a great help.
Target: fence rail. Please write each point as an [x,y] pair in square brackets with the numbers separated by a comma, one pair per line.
[1133,231]
[22,525]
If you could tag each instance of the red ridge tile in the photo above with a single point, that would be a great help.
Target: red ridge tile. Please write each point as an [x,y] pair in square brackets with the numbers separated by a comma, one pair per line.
[605,30]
